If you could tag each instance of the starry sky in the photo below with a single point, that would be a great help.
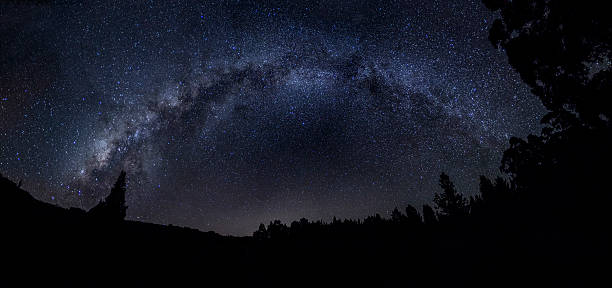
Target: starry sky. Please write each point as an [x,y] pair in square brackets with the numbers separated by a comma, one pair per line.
[226,114]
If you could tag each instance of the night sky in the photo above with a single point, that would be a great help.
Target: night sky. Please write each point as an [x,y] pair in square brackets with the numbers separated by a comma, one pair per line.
[228,114]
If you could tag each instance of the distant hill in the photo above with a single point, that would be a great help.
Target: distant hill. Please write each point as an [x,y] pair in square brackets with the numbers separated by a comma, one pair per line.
[47,244]
[23,209]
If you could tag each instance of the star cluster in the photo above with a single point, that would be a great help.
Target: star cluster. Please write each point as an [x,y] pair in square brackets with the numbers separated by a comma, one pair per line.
[226,114]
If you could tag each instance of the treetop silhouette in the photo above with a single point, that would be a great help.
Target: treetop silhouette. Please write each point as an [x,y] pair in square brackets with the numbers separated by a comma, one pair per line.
[113,207]
[562,50]
[450,203]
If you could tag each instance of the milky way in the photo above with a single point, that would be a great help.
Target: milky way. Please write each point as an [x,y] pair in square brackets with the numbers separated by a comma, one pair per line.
[227,114]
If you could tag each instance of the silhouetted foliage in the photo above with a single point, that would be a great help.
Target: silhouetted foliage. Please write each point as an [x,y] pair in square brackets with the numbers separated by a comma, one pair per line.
[562,51]
[113,208]
[429,216]
[412,215]
[450,203]
[261,233]
[397,216]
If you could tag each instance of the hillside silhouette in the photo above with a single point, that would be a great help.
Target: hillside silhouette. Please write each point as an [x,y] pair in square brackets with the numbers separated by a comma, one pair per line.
[545,221]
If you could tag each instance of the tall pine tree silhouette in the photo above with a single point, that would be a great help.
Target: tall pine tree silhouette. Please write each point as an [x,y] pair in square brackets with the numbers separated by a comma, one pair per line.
[450,203]
[112,208]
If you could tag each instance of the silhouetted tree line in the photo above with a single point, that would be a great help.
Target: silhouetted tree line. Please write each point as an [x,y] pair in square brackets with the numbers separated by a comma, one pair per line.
[544,222]
[450,205]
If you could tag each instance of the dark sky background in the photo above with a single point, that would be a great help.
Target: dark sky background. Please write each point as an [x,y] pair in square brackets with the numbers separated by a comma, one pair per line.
[226,114]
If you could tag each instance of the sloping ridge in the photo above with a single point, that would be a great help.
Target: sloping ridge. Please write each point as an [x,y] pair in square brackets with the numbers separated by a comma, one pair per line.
[21,208]
[72,247]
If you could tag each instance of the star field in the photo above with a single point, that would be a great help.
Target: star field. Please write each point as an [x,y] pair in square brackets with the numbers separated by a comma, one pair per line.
[230,113]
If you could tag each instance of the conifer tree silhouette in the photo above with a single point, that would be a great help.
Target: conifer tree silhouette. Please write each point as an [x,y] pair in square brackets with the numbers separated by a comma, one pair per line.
[113,207]
[450,203]
[412,215]
[261,233]
[429,216]
[397,216]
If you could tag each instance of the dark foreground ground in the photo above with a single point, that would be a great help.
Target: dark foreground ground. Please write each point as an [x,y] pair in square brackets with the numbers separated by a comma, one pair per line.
[49,246]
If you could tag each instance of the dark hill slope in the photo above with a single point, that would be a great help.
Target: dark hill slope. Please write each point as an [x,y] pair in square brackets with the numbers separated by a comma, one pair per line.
[47,244]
